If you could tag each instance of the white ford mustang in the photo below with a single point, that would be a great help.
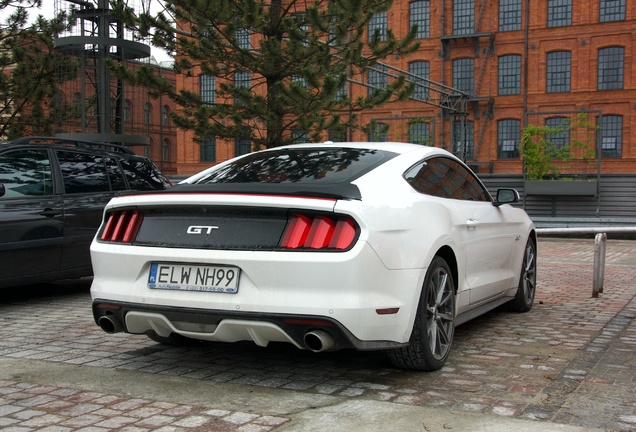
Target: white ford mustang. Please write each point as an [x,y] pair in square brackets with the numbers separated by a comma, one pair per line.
[325,246]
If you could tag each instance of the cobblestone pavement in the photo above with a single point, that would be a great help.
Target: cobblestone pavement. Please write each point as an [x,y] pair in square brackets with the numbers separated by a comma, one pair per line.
[570,361]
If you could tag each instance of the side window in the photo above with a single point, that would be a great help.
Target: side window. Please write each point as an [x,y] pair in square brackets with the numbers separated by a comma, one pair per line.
[115,174]
[445,178]
[25,173]
[83,173]
[142,176]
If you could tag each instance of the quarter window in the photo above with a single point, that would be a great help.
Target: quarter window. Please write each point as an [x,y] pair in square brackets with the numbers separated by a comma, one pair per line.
[509,75]
[446,178]
[559,13]
[420,16]
[509,15]
[558,71]
[508,134]
[610,68]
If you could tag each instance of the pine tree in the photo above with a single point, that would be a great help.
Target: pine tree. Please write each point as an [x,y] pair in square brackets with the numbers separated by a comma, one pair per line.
[280,66]
[28,82]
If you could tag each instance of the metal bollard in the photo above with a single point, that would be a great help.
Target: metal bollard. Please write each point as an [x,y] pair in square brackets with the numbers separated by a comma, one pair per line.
[599,263]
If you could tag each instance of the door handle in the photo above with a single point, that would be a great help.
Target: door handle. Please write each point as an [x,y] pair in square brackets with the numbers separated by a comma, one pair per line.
[471,223]
[49,212]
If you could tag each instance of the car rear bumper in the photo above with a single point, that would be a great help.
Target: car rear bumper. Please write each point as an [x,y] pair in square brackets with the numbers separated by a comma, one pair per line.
[367,304]
[315,333]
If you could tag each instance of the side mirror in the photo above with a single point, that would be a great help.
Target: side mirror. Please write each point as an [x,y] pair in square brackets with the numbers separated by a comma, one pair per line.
[506,196]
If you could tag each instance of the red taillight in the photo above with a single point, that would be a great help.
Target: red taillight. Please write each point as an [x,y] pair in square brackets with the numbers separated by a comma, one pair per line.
[319,232]
[121,226]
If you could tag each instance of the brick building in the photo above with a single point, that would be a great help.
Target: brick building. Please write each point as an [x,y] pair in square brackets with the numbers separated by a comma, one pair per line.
[520,62]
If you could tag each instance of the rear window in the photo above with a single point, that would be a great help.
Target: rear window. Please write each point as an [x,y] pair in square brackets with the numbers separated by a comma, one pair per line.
[323,165]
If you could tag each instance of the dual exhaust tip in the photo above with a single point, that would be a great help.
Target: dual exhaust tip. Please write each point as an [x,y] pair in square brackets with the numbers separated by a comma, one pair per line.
[315,340]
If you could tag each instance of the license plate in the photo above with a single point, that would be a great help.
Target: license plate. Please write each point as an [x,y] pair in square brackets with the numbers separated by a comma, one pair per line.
[190,277]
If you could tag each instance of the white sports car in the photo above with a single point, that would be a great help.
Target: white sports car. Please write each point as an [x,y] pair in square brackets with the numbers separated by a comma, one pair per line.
[371,246]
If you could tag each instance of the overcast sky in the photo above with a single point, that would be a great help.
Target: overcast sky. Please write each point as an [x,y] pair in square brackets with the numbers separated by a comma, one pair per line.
[47,10]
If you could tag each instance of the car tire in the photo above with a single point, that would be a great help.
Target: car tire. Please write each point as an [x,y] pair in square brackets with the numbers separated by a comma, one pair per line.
[527,280]
[173,339]
[434,327]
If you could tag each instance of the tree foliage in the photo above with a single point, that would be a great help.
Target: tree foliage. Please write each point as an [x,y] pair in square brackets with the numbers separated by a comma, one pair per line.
[543,159]
[300,60]
[28,81]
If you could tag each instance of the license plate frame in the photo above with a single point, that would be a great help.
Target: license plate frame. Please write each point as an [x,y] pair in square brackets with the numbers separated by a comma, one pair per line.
[194,277]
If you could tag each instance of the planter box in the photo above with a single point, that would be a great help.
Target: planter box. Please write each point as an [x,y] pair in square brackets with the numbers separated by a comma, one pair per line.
[561,187]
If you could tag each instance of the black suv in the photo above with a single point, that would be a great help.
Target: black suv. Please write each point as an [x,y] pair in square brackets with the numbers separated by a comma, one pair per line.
[52,196]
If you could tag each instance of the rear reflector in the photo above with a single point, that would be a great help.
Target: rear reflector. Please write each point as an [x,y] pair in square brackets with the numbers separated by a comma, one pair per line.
[121,226]
[313,232]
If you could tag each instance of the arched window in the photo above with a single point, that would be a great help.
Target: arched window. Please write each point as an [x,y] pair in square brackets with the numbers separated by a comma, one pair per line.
[165,149]
[165,115]
[147,113]
[127,111]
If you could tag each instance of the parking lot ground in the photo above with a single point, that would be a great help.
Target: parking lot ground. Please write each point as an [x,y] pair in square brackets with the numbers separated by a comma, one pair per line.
[567,365]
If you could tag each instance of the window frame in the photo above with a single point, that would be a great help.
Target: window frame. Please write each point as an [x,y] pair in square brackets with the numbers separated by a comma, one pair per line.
[559,13]
[508,130]
[606,59]
[420,15]
[558,71]
[509,75]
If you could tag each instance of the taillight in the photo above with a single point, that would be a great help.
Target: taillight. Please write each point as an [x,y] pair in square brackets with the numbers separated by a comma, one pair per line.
[311,232]
[121,226]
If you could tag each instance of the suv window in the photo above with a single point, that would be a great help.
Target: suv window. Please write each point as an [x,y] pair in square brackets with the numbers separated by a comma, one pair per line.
[142,176]
[25,173]
[324,165]
[446,178]
[82,172]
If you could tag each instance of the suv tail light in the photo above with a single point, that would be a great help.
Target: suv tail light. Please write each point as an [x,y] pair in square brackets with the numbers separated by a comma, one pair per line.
[121,226]
[309,232]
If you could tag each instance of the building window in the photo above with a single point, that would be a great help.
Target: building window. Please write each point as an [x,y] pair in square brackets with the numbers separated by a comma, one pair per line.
[420,133]
[208,150]
[241,81]
[243,38]
[378,132]
[299,136]
[560,138]
[611,135]
[337,133]
[611,10]
[242,146]
[207,89]
[165,150]
[378,78]
[420,69]
[558,71]
[463,17]
[464,75]
[127,111]
[610,68]
[509,15]
[341,94]
[299,80]
[165,115]
[420,16]
[463,141]
[509,75]
[378,24]
[147,113]
[559,13]
[508,137]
